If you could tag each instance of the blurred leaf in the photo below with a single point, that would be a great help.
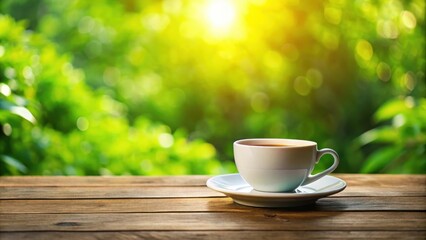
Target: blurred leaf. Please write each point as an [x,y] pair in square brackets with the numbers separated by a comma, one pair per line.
[380,159]
[390,109]
[385,134]
[13,163]
[17,110]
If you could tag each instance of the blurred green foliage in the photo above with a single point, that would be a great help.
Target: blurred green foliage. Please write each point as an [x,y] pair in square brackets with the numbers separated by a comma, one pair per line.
[165,87]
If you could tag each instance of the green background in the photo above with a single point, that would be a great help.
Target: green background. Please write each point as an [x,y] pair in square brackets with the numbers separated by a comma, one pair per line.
[154,88]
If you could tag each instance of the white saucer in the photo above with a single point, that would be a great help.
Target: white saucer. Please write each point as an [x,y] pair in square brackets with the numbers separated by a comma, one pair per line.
[234,186]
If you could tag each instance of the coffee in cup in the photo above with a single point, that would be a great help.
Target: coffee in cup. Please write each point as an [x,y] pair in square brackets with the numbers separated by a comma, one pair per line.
[279,165]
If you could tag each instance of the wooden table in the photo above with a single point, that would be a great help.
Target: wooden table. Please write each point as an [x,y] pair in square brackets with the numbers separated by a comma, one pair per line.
[372,206]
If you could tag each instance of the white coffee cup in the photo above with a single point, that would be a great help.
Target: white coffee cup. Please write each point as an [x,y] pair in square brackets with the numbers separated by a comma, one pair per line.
[279,165]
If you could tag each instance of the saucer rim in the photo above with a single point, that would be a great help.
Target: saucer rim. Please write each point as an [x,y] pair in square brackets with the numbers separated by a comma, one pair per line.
[274,195]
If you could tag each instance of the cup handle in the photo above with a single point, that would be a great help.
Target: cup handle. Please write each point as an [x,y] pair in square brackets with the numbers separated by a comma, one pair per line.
[320,153]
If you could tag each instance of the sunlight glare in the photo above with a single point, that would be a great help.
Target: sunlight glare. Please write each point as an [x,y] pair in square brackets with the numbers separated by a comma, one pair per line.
[220,13]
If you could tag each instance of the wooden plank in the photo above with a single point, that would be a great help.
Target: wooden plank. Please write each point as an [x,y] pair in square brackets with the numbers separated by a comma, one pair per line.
[104,192]
[93,181]
[359,185]
[371,204]
[386,191]
[112,192]
[203,205]
[379,180]
[383,180]
[237,235]
[306,221]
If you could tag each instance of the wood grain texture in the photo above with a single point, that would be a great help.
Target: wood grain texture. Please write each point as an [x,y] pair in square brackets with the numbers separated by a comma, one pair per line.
[203,205]
[102,181]
[236,235]
[91,192]
[313,220]
[182,207]
[363,180]
[104,192]
[359,185]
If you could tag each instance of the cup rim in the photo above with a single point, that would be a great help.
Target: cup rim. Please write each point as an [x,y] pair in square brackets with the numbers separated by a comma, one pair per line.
[290,143]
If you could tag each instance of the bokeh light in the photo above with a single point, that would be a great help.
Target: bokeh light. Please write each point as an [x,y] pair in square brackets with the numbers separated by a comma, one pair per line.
[220,14]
